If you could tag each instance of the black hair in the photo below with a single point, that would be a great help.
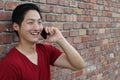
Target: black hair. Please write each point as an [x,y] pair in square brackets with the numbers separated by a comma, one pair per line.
[20,12]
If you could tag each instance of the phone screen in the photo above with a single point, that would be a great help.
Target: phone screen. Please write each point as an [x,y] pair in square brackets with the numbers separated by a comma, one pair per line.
[44,34]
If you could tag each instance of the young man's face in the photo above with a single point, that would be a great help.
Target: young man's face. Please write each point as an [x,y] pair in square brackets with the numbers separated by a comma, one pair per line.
[31,27]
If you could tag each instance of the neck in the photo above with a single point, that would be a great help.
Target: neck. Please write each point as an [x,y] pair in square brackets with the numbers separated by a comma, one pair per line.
[26,48]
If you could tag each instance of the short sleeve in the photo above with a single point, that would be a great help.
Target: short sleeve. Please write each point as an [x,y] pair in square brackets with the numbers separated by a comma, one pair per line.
[54,54]
[50,52]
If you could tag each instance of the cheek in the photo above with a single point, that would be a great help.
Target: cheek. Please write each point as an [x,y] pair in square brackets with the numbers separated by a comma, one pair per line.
[26,28]
[41,27]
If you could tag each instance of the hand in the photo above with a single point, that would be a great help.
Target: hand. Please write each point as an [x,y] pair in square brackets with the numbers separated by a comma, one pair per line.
[55,34]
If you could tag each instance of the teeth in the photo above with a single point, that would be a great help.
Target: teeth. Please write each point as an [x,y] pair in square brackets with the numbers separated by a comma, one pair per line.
[35,33]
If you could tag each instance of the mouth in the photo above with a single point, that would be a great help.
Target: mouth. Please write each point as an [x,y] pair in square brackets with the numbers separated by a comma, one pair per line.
[35,33]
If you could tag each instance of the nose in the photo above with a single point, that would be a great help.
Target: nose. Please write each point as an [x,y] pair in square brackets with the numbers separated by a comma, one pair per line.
[38,26]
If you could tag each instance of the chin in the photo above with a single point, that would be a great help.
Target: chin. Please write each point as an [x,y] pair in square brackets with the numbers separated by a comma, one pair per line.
[35,41]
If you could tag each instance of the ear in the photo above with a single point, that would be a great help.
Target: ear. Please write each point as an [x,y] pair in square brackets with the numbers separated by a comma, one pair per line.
[16,26]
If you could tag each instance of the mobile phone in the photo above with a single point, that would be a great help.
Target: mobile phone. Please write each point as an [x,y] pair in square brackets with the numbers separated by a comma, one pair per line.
[44,34]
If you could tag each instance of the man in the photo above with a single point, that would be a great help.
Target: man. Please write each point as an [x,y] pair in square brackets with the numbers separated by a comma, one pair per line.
[30,60]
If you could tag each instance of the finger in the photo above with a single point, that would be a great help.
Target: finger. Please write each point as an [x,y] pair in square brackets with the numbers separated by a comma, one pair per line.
[52,30]
[45,29]
[49,30]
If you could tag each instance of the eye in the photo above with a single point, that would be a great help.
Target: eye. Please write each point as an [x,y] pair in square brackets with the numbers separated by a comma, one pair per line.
[30,22]
[39,22]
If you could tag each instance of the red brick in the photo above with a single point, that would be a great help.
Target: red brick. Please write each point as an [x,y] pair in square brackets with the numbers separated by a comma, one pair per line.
[68,10]
[2,49]
[61,18]
[79,73]
[5,15]
[29,0]
[101,19]
[1,27]
[92,38]
[73,75]
[80,18]
[54,75]
[58,10]
[1,4]
[66,34]
[85,12]
[83,5]
[82,32]
[92,50]
[87,19]
[58,25]
[52,1]
[94,13]
[72,18]
[105,3]
[101,59]
[11,5]
[94,7]
[8,27]
[46,8]
[77,39]
[69,39]
[50,17]
[77,11]
[74,33]
[107,67]
[81,46]
[42,1]
[2,16]
[68,26]
[86,0]
[5,38]
[91,32]
[77,25]
[93,1]
[52,9]
[64,2]
[84,39]
[85,25]
[73,3]
[99,1]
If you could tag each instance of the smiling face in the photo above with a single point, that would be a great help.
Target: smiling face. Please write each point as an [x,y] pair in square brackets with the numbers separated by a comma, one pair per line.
[30,28]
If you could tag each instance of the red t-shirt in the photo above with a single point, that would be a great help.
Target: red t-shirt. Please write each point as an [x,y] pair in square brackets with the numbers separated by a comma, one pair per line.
[16,66]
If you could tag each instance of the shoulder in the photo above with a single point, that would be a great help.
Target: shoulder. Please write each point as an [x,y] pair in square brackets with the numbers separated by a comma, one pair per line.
[6,65]
[11,58]
[10,63]
[45,46]
[9,55]
[12,52]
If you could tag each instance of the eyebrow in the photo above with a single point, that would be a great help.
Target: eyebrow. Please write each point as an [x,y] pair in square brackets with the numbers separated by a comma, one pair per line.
[34,19]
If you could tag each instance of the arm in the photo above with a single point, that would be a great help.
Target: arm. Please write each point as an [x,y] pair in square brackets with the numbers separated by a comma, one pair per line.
[71,58]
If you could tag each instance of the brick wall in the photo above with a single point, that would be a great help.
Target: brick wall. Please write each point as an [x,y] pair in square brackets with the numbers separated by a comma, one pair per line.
[91,26]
